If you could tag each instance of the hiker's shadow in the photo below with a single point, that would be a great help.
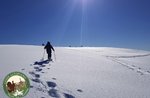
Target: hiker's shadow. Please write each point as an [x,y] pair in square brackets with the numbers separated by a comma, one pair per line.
[41,62]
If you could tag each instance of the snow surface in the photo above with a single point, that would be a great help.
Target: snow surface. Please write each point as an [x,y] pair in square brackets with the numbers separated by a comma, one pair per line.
[79,72]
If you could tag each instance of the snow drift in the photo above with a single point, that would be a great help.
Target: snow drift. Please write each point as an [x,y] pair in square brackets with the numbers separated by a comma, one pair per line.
[79,72]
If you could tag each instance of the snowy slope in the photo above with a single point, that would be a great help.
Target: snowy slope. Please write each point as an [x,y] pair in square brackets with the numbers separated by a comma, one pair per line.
[80,72]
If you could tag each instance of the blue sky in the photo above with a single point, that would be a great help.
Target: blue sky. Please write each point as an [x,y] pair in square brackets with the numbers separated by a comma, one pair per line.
[113,23]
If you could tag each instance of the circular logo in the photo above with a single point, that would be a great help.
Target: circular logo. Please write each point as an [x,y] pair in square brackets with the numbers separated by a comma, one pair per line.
[16,85]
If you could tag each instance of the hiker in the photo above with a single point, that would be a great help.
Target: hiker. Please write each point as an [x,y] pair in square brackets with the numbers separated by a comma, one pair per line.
[11,86]
[49,49]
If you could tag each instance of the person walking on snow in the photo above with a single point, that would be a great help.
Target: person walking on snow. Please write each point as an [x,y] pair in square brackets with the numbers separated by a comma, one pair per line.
[49,49]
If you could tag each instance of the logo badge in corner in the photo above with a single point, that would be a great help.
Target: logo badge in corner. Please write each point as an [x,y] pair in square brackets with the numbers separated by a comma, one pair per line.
[16,85]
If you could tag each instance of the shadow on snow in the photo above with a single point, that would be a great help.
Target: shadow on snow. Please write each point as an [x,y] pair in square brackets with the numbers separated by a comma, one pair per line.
[41,62]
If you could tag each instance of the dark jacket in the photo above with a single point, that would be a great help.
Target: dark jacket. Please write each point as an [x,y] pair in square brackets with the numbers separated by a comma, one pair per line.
[48,48]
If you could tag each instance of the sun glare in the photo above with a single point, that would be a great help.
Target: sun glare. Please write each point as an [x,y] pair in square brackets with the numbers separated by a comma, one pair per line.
[83,1]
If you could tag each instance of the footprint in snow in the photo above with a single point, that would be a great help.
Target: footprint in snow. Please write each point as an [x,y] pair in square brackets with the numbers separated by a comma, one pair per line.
[36,80]
[131,68]
[23,69]
[31,86]
[51,84]
[37,75]
[42,65]
[54,78]
[53,93]
[31,72]
[141,73]
[133,65]
[42,72]
[148,71]
[79,90]
[36,67]
[38,70]
[68,95]
[34,74]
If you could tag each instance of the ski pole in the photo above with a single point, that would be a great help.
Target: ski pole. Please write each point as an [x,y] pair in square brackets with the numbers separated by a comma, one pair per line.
[54,56]
[43,55]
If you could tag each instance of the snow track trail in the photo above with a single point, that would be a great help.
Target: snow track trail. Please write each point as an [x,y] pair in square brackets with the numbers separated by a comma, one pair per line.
[48,87]
[130,66]
[79,72]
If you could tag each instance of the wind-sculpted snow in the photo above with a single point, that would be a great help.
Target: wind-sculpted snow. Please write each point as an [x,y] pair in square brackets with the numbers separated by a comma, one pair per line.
[132,56]
[79,72]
